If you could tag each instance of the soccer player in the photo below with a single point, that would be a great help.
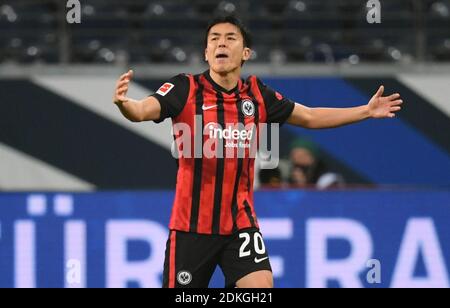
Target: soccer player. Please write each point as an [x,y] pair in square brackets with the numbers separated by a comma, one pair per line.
[213,218]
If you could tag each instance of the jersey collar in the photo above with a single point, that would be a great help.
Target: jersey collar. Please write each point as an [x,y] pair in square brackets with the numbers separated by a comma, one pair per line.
[218,88]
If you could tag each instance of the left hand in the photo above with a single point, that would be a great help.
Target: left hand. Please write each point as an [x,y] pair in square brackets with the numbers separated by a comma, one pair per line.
[384,106]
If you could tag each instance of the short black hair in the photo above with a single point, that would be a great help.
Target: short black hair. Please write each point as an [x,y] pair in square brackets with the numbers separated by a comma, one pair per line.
[231,19]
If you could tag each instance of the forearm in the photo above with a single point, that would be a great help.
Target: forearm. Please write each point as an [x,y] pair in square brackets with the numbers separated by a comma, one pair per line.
[317,118]
[131,109]
[335,117]
[379,107]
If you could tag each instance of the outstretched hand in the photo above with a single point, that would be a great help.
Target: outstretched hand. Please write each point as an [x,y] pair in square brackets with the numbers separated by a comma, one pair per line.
[120,93]
[384,106]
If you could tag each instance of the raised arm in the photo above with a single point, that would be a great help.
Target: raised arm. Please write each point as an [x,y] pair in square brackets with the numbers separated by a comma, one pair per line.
[378,107]
[147,109]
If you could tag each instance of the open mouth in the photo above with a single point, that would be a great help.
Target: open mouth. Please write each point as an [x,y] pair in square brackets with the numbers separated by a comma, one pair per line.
[222,56]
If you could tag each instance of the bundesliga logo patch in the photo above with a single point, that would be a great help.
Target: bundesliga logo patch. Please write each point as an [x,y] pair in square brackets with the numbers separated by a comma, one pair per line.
[165,88]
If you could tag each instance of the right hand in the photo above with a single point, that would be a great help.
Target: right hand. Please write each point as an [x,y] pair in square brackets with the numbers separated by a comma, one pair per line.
[120,93]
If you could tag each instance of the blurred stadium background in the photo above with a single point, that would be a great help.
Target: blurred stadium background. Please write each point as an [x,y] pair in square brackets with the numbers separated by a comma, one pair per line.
[85,195]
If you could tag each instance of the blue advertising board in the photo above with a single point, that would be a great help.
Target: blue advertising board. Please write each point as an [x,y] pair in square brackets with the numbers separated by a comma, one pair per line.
[362,238]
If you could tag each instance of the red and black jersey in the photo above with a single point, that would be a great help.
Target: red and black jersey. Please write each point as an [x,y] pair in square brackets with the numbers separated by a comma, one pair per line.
[215,195]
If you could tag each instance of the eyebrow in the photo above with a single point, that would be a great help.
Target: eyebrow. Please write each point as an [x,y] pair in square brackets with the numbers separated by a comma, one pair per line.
[227,34]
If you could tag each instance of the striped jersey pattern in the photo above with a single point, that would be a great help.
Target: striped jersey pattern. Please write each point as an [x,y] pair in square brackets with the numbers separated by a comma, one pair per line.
[214,194]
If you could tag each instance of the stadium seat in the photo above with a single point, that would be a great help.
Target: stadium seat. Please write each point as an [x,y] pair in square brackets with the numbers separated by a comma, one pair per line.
[172,30]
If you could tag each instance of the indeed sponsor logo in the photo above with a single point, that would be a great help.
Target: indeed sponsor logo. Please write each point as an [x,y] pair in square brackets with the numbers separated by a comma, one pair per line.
[234,140]
[215,131]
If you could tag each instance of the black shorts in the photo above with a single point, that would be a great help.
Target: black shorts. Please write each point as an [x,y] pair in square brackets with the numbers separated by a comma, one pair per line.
[192,258]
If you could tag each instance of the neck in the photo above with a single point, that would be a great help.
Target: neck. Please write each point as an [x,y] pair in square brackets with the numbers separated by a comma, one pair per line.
[228,80]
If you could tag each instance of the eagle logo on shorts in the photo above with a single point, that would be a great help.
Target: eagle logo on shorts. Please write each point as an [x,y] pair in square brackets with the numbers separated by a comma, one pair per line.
[248,108]
[184,278]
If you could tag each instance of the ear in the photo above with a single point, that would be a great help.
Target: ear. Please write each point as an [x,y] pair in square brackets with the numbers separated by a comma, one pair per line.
[206,54]
[246,54]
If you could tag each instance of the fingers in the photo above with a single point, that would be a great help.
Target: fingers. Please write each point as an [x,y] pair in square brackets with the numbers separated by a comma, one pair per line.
[122,90]
[122,83]
[393,110]
[124,80]
[393,96]
[123,77]
[127,76]
[122,87]
[397,102]
[380,91]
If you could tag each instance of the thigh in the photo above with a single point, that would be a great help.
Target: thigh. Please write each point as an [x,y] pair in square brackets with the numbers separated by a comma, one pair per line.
[244,254]
[258,280]
[190,260]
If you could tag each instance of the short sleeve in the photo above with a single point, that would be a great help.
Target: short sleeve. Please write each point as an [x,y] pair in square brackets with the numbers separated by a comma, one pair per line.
[172,96]
[278,108]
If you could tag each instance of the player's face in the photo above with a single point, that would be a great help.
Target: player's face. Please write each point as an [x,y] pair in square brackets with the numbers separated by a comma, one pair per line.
[225,49]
